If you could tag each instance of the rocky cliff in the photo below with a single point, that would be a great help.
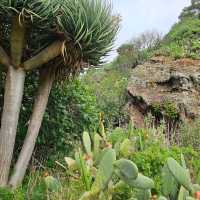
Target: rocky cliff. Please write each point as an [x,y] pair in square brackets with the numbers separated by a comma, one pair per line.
[161,82]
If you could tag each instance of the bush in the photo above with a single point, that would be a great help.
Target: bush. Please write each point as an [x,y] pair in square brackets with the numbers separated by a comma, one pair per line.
[8,194]
[190,135]
[182,40]
[71,109]
[151,161]
[109,86]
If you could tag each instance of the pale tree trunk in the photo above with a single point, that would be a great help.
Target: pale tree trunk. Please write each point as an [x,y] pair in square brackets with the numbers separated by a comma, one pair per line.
[39,107]
[12,101]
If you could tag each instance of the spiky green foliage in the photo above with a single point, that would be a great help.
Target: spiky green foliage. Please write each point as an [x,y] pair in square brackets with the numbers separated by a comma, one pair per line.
[30,11]
[90,25]
[86,27]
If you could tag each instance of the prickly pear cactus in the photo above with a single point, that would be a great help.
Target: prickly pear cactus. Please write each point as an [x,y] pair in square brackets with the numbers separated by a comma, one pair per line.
[183,193]
[180,174]
[141,182]
[170,186]
[105,171]
[143,194]
[162,198]
[126,170]
[97,140]
[87,143]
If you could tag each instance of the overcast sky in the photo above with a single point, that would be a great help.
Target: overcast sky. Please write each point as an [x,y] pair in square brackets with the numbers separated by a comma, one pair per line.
[141,15]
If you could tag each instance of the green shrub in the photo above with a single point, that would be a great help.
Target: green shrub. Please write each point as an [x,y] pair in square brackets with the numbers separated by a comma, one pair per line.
[190,134]
[182,40]
[170,111]
[151,161]
[109,86]
[72,108]
[117,135]
[167,110]
[83,171]
[8,194]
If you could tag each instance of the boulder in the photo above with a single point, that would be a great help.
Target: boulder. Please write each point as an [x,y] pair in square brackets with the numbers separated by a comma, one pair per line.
[164,80]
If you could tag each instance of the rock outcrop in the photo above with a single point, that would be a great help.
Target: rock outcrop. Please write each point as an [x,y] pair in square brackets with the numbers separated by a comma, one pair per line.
[162,80]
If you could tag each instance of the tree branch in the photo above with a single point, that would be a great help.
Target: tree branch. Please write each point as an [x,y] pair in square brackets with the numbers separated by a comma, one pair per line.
[44,56]
[18,41]
[4,58]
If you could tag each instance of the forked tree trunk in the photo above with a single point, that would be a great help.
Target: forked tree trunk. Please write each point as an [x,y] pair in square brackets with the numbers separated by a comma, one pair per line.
[12,101]
[39,108]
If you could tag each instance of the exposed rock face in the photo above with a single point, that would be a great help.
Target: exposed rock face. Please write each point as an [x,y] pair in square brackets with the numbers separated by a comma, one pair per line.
[162,80]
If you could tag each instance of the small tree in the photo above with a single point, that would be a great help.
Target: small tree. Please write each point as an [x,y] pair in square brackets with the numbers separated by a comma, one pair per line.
[55,37]
[147,40]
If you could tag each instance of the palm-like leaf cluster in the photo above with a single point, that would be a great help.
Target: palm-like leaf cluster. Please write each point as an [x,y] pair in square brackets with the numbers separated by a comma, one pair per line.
[30,11]
[86,27]
[90,25]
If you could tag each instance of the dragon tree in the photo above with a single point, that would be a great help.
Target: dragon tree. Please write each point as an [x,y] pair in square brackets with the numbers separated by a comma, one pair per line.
[56,39]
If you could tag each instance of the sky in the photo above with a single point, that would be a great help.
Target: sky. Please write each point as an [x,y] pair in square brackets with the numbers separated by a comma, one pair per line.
[144,15]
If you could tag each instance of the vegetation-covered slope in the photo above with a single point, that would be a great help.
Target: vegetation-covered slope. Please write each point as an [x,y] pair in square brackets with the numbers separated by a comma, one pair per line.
[183,40]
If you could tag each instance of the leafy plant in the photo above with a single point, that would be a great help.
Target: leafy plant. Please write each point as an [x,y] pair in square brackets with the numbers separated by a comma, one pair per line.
[100,167]
[182,40]
[180,185]
[151,161]
[190,134]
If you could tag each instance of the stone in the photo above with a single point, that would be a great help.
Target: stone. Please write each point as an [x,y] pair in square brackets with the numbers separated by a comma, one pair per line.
[155,82]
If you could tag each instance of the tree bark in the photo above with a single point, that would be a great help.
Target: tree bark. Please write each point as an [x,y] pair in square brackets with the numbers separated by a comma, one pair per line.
[12,101]
[4,58]
[39,108]
[44,56]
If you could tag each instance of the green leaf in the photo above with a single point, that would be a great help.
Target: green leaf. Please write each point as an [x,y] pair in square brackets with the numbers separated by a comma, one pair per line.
[169,185]
[183,193]
[105,171]
[183,163]
[180,174]
[87,143]
[143,195]
[162,198]
[126,148]
[126,170]
[142,182]
[97,140]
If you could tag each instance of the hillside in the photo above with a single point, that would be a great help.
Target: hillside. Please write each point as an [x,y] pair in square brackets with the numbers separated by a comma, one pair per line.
[183,40]
[109,83]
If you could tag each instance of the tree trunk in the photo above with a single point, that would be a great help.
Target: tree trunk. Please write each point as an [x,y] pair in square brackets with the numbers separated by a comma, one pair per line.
[39,108]
[12,101]
[4,58]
